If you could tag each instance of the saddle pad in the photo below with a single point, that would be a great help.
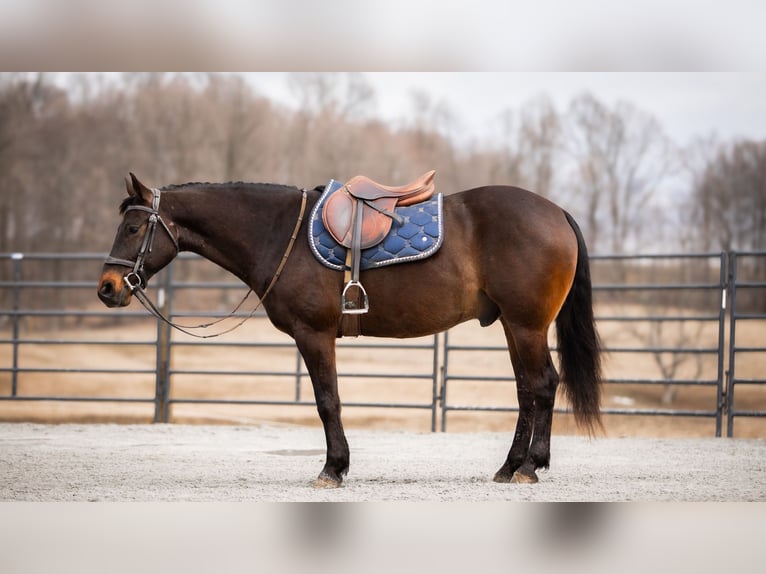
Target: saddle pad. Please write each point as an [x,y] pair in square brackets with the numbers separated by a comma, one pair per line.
[419,237]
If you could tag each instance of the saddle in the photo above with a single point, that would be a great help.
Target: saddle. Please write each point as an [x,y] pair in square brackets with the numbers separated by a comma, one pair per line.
[375,203]
[359,215]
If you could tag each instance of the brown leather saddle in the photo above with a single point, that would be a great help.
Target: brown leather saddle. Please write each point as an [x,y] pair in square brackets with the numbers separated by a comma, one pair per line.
[375,203]
[359,215]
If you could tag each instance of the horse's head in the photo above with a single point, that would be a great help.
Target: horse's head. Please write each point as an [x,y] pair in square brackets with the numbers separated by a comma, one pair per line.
[144,244]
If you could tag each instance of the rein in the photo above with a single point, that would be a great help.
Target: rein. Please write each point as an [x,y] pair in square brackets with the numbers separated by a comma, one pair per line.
[137,287]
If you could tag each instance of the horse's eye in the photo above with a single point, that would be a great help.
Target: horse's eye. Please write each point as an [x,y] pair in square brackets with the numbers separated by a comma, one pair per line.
[133,229]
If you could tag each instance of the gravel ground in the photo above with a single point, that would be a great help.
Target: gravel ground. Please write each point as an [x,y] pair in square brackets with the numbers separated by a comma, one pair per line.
[272,463]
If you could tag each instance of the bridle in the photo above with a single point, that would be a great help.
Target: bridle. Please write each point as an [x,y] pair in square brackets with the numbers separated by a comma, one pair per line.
[134,279]
[136,284]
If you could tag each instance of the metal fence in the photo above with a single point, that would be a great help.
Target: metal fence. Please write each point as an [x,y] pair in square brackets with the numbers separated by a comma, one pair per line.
[747,334]
[642,284]
[292,369]
[694,321]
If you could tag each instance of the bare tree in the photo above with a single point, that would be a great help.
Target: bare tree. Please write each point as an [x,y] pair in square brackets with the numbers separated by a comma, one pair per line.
[530,143]
[622,156]
[728,199]
[540,138]
[323,142]
[429,140]
[241,127]
[606,164]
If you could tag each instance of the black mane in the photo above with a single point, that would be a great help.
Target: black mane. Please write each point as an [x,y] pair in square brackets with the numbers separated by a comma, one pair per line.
[135,200]
[244,184]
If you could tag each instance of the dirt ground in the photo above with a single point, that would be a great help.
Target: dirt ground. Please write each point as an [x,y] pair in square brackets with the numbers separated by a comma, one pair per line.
[278,463]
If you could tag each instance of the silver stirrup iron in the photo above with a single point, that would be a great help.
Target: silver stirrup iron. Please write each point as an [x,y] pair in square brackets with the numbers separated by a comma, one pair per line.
[349,307]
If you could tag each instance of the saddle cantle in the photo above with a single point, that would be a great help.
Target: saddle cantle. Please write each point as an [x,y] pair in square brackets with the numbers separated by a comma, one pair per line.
[375,203]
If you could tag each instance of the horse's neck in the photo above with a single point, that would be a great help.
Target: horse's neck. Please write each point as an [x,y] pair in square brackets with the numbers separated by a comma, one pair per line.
[230,227]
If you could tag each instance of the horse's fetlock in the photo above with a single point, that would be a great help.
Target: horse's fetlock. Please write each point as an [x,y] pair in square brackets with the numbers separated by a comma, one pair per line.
[541,457]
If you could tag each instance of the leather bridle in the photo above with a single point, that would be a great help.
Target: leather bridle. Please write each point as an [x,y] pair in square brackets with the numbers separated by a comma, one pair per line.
[135,282]
[134,279]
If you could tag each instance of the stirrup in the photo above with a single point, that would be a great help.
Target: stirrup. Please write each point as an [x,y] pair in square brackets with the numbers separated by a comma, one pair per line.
[349,307]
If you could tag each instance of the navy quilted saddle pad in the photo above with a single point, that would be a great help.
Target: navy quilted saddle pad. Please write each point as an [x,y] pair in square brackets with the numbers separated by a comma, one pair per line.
[420,236]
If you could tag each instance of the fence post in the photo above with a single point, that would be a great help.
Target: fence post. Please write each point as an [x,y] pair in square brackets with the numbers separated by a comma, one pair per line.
[435,389]
[732,345]
[445,378]
[17,259]
[721,398]
[162,386]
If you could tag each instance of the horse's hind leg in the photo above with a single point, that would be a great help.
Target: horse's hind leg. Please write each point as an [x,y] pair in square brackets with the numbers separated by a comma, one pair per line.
[525,422]
[536,383]
[539,454]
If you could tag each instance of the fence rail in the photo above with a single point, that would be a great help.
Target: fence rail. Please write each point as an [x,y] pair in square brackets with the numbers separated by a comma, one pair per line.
[695,319]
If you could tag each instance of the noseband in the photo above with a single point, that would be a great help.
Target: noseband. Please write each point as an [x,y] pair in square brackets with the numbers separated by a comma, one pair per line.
[133,279]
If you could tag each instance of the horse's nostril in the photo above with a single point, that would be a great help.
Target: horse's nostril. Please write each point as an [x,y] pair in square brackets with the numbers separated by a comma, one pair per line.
[107,289]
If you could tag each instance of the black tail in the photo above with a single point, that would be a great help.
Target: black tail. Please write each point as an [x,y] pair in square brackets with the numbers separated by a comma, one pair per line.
[578,343]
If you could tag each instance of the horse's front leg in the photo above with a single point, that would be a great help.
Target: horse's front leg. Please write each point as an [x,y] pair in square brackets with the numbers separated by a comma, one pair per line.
[318,351]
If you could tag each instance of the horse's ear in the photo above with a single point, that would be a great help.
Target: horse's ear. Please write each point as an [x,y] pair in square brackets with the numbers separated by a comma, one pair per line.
[129,187]
[137,189]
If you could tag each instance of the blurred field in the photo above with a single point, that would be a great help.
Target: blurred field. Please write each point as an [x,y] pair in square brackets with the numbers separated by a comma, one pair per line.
[234,352]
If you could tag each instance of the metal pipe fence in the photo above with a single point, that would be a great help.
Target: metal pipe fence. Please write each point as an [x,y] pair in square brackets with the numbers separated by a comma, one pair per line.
[660,302]
[684,318]
[747,280]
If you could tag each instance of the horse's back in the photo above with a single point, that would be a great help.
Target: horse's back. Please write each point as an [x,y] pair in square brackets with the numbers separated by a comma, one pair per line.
[502,246]
[509,221]
[497,206]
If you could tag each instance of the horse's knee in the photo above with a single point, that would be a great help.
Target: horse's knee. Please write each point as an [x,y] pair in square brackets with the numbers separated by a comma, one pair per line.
[328,407]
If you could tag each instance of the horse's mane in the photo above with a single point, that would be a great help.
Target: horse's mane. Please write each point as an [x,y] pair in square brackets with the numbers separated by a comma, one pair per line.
[133,200]
[240,184]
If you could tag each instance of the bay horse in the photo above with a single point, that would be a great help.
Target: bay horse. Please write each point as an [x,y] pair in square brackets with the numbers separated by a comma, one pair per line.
[508,255]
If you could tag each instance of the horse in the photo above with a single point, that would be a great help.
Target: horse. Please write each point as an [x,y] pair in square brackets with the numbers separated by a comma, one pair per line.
[508,255]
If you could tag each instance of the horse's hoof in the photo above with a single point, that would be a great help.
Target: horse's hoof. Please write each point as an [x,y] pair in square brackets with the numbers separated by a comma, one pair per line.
[523,478]
[326,481]
[502,477]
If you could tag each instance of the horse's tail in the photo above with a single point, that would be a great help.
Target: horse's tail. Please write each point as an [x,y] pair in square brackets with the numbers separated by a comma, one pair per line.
[578,343]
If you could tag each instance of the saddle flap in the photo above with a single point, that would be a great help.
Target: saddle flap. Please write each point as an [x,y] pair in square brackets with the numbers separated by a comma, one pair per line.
[339,212]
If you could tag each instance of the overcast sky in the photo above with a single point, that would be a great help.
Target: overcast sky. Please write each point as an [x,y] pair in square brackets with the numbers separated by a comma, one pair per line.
[732,105]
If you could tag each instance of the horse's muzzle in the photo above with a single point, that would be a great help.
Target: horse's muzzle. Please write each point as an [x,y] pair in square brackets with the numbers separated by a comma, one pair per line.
[113,291]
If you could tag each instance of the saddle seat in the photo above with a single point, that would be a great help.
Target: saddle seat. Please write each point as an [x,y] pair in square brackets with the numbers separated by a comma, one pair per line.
[422,188]
[376,202]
